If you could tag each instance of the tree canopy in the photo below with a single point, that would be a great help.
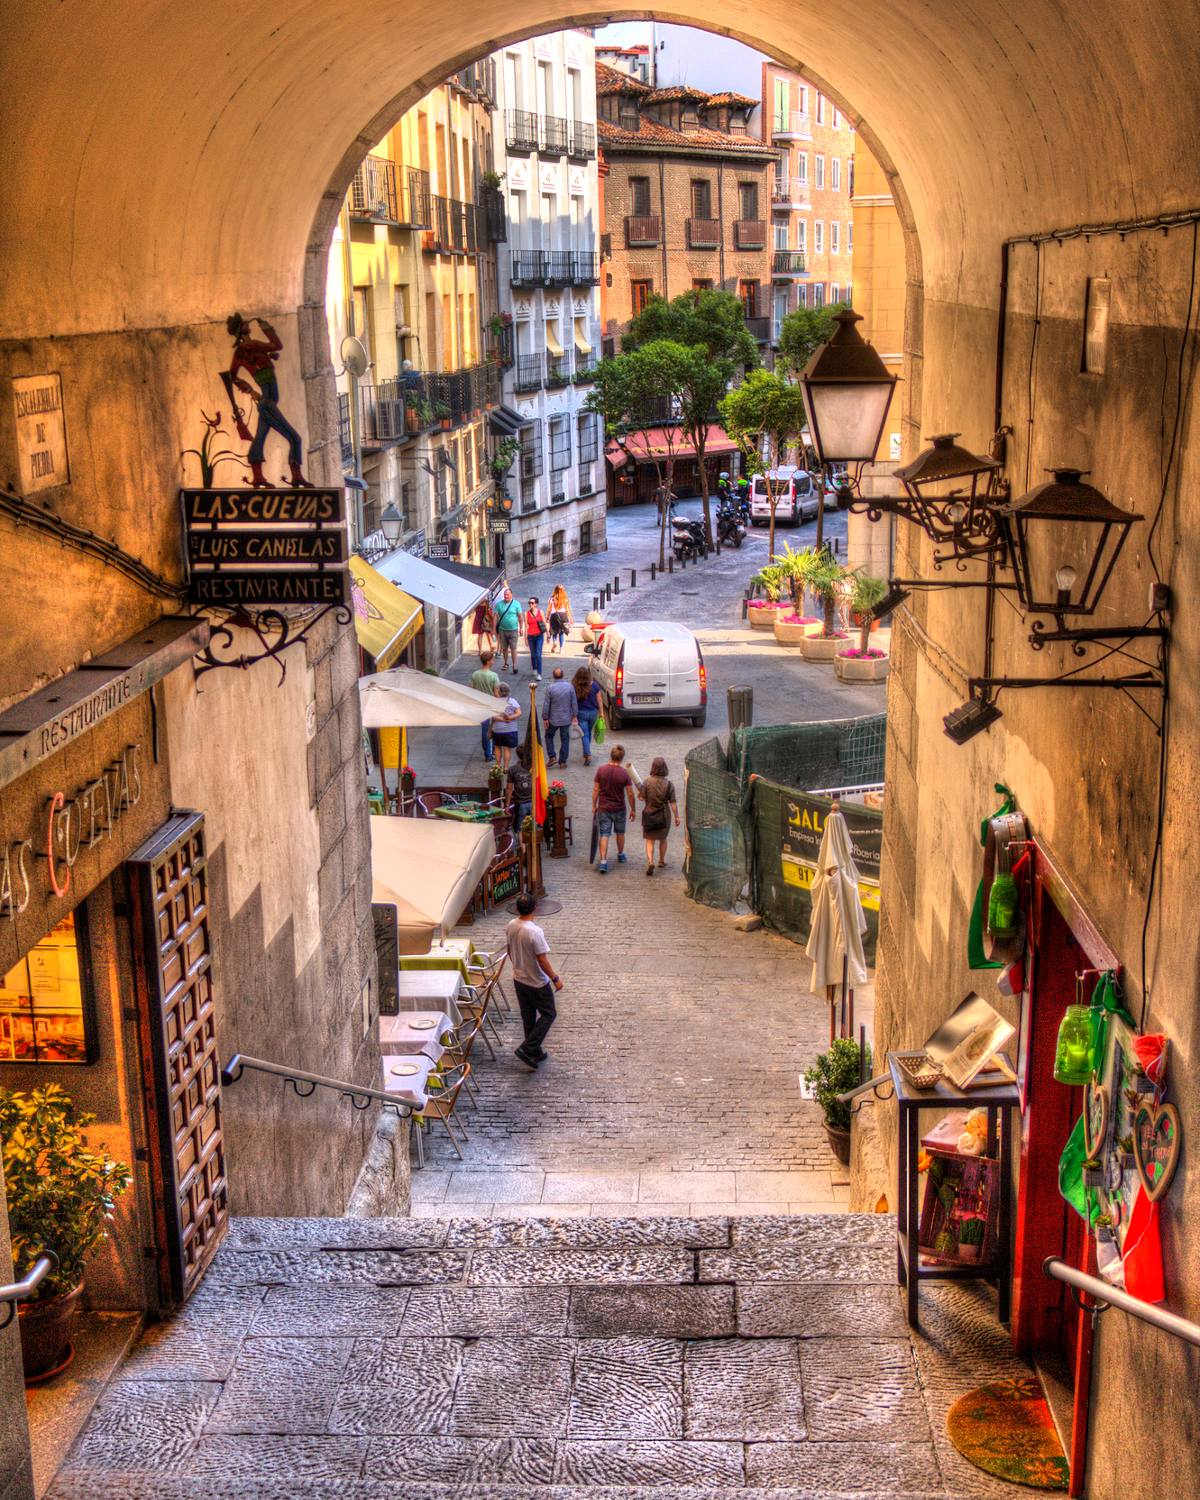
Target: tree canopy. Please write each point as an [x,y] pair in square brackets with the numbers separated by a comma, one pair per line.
[803,331]
[702,316]
[763,406]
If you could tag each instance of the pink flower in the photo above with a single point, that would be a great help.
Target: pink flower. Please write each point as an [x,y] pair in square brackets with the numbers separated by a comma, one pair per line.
[795,619]
[870,654]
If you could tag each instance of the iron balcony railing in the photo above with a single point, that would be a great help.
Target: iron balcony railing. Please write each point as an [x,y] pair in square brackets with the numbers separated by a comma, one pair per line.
[389,413]
[789,123]
[583,140]
[585,267]
[583,479]
[454,227]
[494,222]
[557,268]
[479,79]
[787,192]
[345,430]
[529,496]
[643,229]
[526,268]
[554,135]
[787,263]
[531,451]
[703,234]
[529,372]
[390,194]
[520,130]
[750,234]
[585,368]
[558,370]
[760,328]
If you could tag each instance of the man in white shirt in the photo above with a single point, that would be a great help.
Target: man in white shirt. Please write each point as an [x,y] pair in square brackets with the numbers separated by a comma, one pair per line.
[534,977]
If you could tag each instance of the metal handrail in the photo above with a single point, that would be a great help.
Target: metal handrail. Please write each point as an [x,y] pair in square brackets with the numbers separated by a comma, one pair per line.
[296,1076]
[869,1087]
[21,1291]
[1110,1296]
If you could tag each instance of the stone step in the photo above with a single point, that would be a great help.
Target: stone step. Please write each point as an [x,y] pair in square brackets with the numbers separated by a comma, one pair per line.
[154,1486]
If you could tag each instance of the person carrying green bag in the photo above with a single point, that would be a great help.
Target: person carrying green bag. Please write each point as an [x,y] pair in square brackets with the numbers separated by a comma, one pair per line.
[591,720]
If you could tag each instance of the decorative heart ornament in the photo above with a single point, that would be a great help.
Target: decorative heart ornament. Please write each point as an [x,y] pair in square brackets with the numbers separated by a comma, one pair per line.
[1157,1141]
[1095,1119]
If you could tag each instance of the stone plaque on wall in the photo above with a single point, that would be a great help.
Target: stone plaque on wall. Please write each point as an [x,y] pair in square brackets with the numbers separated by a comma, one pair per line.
[41,432]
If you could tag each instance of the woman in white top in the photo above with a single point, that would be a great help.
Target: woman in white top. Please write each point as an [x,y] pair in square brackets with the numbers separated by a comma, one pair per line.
[504,731]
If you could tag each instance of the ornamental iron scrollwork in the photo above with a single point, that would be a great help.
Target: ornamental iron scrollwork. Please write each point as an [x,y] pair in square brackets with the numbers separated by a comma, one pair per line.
[273,630]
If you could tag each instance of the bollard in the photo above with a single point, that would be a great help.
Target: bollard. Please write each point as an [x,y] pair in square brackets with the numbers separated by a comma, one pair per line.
[670,562]
[596,604]
[718,546]
[745,604]
[633,578]
[616,585]
[652,571]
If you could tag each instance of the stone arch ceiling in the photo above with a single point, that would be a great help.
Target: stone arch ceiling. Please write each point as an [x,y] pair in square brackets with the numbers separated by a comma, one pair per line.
[165,161]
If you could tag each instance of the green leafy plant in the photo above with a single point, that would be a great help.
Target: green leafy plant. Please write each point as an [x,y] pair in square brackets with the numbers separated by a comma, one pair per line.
[970,1231]
[60,1192]
[492,180]
[833,1073]
[823,576]
[865,594]
[502,459]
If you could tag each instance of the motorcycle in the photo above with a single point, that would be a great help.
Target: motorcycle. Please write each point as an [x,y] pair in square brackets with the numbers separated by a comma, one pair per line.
[730,531]
[687,540]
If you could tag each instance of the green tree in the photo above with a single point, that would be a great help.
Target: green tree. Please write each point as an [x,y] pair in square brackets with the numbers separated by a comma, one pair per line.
[762,415]
[711,324]
[803,332]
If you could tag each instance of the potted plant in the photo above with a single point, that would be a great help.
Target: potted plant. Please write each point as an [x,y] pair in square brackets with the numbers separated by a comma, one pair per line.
[833,1073]
[60,1197]
[495,781]
[822,576]
[863,663]
[408,780]
[970,1238]
[441,411]
[791,627]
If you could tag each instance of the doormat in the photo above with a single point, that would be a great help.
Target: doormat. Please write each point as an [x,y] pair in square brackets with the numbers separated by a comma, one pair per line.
[1006,1429]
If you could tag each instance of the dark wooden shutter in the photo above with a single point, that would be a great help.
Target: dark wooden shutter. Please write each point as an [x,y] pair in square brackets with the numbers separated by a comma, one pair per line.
[173,962]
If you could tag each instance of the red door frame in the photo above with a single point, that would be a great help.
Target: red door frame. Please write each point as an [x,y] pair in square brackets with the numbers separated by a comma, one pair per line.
[1064,941]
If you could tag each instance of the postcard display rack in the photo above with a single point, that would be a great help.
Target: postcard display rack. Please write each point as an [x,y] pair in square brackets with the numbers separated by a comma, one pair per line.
[959,1187]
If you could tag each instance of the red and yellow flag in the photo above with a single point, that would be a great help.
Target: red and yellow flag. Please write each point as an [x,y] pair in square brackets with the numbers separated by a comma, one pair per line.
[541,782]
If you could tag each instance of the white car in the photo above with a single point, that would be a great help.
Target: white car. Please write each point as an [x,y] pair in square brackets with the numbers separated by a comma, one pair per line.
[795,497]
[651,668]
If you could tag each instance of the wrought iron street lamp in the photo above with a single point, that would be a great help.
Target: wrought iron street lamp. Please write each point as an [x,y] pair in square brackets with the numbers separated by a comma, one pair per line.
[847,391]
[391,523]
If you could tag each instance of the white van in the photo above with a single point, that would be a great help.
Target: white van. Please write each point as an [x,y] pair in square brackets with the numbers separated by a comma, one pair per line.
[796,497]
[651,668]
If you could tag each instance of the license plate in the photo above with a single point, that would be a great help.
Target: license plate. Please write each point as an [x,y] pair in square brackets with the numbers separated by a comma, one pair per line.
[645,697]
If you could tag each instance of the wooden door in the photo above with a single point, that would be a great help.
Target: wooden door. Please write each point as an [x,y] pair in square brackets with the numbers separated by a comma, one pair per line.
[173,965]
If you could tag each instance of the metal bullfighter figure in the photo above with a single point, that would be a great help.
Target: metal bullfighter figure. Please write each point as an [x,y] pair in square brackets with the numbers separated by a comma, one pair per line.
[256,357]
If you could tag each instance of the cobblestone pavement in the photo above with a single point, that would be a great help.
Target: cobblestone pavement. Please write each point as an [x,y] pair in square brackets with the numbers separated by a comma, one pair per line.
[673,1081]
[640,1358]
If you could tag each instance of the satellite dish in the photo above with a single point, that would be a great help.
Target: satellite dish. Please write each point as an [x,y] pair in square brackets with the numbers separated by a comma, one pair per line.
[354,356]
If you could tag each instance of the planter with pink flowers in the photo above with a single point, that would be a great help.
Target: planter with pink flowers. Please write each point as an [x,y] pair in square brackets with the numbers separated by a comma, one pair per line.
[791,628]
[861,666]
[762,613]
[818,647]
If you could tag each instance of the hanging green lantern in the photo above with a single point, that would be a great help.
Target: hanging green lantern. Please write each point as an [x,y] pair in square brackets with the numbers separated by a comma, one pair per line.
[1073,1053]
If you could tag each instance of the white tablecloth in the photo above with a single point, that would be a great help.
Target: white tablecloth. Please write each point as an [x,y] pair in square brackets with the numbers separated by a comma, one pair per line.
[431,989]
[408,1088]
[398,1037]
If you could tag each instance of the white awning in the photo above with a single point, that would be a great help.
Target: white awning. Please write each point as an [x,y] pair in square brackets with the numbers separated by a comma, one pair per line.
[424,580]
[552,343]
[428,870]
[581,340]
[406,699]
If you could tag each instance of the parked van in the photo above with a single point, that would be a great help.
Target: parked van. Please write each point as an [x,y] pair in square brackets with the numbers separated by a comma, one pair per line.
[796,497]
[651,668]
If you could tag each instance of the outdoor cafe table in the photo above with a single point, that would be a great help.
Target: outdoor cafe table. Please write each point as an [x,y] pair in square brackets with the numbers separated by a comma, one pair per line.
[410,1035]
[451,953]
[469,812]
[431,989]
[405,1086]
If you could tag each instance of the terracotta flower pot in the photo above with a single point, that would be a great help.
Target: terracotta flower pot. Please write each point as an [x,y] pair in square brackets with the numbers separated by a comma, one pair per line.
[822,647]
[839,1143]
[47,1327]
[792,635]
[861,668]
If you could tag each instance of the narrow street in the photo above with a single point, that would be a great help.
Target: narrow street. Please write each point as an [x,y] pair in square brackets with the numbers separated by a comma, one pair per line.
[673,1080]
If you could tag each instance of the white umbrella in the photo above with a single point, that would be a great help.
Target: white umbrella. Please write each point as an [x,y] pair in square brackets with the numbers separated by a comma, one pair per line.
[428,871]
[835,939]
[404,699]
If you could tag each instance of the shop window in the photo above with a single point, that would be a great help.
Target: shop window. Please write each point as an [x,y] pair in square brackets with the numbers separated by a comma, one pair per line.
[556,546]
[46,1006]
[528,556]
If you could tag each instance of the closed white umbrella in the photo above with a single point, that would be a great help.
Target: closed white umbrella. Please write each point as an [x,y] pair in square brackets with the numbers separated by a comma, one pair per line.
[428,871]
[835,939]
[404,699]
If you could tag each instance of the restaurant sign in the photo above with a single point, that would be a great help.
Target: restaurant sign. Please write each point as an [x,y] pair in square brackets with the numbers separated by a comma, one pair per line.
[265,546]
[801,829]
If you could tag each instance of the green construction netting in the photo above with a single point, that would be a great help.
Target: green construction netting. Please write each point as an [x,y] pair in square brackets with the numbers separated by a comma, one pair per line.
[718,829]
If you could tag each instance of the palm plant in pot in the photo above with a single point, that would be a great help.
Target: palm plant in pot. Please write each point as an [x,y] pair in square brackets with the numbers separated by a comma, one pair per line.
[823,575]
[833,1073]
[862,663]
[60,1198]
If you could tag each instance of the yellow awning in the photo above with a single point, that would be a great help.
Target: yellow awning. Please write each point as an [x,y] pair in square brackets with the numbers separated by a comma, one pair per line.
[552,343]
[385,617]
[581,342]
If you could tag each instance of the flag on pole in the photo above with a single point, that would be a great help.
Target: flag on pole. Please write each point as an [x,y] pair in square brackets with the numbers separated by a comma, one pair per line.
[535,757]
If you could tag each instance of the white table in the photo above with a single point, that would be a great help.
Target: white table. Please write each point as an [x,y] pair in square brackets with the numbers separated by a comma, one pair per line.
[400,1037]
[411,1088]
[431,989]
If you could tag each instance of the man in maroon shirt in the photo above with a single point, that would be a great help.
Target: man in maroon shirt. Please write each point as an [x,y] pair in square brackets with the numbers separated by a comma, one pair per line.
[612,786]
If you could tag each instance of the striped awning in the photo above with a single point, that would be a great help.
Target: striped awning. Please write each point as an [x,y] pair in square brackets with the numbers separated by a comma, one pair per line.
[385,617]
[552,343]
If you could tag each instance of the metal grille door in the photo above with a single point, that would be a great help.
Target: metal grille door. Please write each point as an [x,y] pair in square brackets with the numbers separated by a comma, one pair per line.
[173,960]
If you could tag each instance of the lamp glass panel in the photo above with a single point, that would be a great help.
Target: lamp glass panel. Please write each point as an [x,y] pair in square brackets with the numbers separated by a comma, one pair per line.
[848,419]
[1054,546]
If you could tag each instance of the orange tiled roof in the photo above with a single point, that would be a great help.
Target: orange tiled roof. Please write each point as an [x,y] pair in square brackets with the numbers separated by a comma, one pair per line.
[652,133]
[613,81]
[679,91]
[742,100]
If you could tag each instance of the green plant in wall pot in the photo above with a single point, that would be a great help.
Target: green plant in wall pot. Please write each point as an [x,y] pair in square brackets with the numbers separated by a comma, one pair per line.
[61,1195]
[833,1073]
[970,1238]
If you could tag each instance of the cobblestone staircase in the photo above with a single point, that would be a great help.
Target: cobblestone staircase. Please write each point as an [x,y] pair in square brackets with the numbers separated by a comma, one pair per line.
[415,1359]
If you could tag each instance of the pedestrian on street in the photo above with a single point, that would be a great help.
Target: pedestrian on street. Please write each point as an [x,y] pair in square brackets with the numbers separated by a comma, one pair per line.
[561,618]
[508,628]
[535,636]
[560,710]
[587,708]
[484,680]
[612,786]
[534,977]
[504,725]
[484,626]
[520,784]
[658,796]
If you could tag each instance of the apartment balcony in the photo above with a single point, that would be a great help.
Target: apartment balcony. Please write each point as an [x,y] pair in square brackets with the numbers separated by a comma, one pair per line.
[493,222]
[760,329]
[454,227]
[557,268]
[558,371]
[345,432]
[642,230]
[554,135]
[388,194]
[391,412]
[791,125]
[582,145]
[585,368]
[526,268]
[479,80]
[529,372]
[786,263]
[703,234]
[750,234]
[520,130]
[585,268]
[788,193]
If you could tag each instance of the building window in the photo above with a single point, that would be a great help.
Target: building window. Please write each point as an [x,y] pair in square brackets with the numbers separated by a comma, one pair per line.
[747,200]
[556,546]
[835,168]
[689,120]
[850,177]
[850,238]
[560,445]
[47,1013]
[640,293]
[528,556]
[748,292]
[701,199]
[802,295]
[835,238]
[802,234]
[702,284]
[820,109]
[639,197]
[585,536]
[802,168]
[802,95]
[818,236]
[781,104]
[780,232]
[820,172]
[818,294]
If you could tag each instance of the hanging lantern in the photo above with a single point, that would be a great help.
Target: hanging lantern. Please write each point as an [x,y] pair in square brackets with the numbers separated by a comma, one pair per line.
[1063,537]
[1073,1052]
[949,487]
[847,391]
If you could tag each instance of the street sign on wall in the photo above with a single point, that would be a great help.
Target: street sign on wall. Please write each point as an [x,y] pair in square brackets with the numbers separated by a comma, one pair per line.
[499,525]
[266,547]
[438,551]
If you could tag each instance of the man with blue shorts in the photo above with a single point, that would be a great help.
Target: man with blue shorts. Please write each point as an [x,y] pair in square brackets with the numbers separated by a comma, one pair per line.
[613,785]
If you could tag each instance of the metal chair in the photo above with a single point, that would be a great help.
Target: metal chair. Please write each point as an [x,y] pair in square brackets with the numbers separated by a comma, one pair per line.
[489,967]
[474,1003]
[458,1045]
[441,1106]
